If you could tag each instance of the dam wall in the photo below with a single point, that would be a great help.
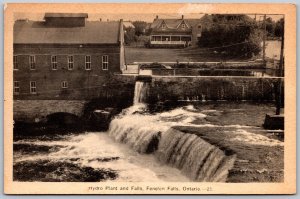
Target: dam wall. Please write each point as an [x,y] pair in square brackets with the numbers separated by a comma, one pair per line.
[213,88]
[119,92]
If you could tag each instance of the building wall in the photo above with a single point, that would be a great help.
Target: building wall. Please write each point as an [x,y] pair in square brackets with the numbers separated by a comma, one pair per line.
[82,84]
[116,89]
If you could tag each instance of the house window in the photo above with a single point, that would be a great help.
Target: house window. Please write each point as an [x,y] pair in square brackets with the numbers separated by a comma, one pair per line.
[33,87]
[32,62]
[163,26]
[16,87]
[183,26]
[54,62]
[105,62]
[15,62]
[88,62]
[70,62]
[64,84]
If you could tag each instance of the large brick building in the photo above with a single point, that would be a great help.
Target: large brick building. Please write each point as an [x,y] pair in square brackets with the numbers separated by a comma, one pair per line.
[65,56]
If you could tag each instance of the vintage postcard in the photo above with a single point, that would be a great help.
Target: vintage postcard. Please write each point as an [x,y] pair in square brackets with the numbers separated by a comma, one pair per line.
[150,98]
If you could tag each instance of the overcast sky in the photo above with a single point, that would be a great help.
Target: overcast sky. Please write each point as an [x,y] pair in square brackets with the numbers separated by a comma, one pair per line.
[128,17]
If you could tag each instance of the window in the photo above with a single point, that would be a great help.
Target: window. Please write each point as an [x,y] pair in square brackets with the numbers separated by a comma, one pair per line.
[54,62]
[163,26]
[33,87]
[183,26]
[64,84]
[70,62]
[32,62]
[105,62]
[15,62]
[16,87]
[88,62]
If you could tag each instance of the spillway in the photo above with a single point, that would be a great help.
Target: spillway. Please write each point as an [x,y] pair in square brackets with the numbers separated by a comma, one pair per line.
[146,133]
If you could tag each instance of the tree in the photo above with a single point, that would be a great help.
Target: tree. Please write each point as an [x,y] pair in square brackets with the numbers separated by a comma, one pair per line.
[140,27]
[279,26]
[270,27]
[129,35]
[234,35]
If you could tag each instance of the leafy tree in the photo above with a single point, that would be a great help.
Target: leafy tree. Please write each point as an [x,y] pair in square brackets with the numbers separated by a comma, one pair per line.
[129,35]
[140,27]
[270,27]
[279,27]
[234,35]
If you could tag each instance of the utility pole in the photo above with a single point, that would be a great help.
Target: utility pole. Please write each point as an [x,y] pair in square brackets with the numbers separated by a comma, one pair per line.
[264,38]
[280,74]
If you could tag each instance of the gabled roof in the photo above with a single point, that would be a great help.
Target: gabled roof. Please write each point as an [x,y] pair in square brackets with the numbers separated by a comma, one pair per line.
[94,32]
[174,23]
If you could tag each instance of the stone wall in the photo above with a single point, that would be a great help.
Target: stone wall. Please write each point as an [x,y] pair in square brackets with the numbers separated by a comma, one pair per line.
[212,88]
[37,110]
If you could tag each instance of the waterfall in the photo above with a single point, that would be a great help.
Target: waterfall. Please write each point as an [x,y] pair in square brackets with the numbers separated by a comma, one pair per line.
[140,92]
[196,158]
[146,133]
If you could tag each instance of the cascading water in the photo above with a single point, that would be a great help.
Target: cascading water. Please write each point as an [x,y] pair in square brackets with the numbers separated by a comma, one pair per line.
[197,159]
[140,92]
[145,133]
[154,133]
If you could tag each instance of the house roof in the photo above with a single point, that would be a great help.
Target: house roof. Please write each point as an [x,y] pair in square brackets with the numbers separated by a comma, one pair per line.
[49,15]
[205,20]
[94,32]
[174,23]
[128,24]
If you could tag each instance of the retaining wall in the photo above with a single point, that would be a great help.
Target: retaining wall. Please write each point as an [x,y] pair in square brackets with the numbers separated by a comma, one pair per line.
[213,88]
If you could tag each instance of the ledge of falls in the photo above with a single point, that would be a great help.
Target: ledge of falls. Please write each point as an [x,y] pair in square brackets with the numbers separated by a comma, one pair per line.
[196,158]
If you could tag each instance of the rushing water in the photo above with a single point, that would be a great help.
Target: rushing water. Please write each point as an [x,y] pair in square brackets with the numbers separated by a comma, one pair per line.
[138,146]
[86,157]
[140,92]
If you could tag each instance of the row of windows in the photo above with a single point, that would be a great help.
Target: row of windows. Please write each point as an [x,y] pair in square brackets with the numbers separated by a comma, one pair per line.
[32,88]
[88,62]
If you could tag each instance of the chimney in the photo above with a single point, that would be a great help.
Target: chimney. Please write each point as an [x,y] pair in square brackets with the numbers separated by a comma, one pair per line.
[107,19]
[182,16]
[100,19]
[156,16]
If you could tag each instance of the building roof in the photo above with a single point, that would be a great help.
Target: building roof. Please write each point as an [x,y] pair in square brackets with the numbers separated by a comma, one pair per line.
[48,15]
[128,24]
[206,20]
[94,32]
[174,23]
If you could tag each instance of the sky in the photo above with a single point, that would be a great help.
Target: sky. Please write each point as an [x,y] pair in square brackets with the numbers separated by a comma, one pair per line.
[129,16]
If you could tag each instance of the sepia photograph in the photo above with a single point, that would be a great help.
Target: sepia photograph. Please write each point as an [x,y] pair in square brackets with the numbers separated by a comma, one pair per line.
[177,101]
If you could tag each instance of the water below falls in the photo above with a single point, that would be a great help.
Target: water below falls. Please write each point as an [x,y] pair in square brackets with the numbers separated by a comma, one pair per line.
[86,157]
